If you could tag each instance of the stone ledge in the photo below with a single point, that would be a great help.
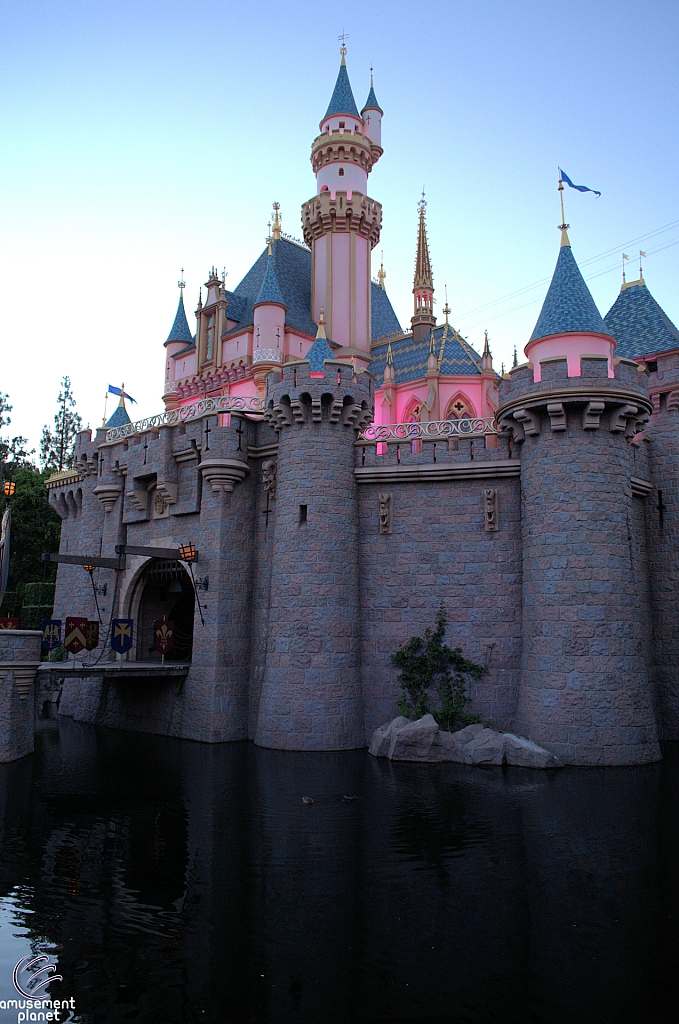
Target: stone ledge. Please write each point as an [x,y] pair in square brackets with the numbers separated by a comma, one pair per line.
[475,470]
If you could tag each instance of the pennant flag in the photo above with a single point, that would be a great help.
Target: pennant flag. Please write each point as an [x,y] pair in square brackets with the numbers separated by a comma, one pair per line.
[119,391]
[74,634]
[580,188]
[51,634]
[163,635]
[92,635]
[121,635]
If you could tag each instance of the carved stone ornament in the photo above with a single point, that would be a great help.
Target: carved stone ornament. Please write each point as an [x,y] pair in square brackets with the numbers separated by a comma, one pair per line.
[108,495]
[386,513]
[490,508]
[159,503]
[222,474]
[269,477]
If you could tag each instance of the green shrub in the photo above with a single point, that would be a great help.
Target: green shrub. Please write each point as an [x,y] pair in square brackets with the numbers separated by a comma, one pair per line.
[435,678]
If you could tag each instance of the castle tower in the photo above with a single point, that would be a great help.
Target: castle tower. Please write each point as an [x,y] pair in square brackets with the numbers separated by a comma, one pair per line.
[311,695]
[423,320]
[178,338]
[269,322]
[211,323]
[342,224]
[573,410]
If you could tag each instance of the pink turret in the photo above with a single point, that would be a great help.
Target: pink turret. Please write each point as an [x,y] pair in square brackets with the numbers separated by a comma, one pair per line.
[341,224]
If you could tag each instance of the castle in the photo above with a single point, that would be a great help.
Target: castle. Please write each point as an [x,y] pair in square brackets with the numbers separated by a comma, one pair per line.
[339,478]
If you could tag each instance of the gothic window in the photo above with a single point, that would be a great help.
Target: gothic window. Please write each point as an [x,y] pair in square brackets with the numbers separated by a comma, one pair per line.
[210,336]
[460,408]
[341,172]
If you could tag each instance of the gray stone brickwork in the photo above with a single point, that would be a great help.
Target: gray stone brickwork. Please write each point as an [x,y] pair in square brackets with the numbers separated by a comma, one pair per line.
[19,659]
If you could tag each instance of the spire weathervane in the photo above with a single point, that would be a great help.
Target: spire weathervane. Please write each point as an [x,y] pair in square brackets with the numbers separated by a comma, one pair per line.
[276,230]
[563,227]
[641,272]
[343,47]
[624,257]
[181,284]
[446,308]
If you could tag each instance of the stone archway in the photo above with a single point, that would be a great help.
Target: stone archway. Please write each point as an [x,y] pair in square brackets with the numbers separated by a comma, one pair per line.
[165,590]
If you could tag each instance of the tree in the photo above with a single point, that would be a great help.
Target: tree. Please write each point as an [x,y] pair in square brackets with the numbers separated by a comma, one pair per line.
[35,527]
[56,446]
[427,662]
[12,450]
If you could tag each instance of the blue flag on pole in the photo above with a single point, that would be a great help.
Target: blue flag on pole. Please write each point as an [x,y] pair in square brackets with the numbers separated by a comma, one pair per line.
[119,391]
[581,188]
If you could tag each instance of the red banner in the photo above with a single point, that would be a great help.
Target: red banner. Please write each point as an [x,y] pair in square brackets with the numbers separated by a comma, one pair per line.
[163,635]
[9,623]
[75,635]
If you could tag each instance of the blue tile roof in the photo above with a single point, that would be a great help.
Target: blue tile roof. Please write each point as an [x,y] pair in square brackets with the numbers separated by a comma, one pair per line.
[119,418]
[342,100]
[372,101]
[568,305]
[292,266]
[180,328]
[639,325]
[318,353]
[270,291]
[454,354]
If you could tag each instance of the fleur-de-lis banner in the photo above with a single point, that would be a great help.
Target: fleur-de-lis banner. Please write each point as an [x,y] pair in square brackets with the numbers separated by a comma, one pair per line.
[121,635]
[74,634]
[163,635]
[51,633]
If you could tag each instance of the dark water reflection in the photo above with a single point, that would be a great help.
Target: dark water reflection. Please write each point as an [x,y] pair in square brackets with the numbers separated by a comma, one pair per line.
[180,882]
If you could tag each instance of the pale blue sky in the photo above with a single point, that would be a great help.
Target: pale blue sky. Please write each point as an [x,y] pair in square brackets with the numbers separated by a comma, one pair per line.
[140,137]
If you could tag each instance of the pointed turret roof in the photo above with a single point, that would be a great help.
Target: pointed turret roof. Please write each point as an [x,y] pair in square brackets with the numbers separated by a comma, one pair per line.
[423,274]
[639,325]
[371,101]
[320,350]
[180,328]
[270,290]
[342,100]
[120,416]
[568,305]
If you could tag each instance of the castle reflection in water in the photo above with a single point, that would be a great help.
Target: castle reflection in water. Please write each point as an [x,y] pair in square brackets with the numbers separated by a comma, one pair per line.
[180,882]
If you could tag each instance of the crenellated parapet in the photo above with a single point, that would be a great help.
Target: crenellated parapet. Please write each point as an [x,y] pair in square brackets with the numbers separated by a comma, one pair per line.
[342,211]
[337,397]
[592,400]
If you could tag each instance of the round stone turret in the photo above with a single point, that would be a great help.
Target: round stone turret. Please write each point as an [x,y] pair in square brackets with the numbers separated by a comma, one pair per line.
[584,690]
[311,694]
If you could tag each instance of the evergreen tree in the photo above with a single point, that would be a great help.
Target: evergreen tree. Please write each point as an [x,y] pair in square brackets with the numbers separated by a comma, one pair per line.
[56,446]
[35,527]
[13,452]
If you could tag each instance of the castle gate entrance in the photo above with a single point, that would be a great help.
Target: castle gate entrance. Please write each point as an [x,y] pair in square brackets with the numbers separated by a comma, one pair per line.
[166,590]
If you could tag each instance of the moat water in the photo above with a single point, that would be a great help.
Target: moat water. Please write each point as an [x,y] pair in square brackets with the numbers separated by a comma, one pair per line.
[179,882]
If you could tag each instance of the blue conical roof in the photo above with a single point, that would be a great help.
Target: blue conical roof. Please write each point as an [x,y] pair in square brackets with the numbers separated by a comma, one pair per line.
[639,325]
[372,101]
[568,305]
[180,328]
[119,417]
[318,353]
[342,100]
[270,290]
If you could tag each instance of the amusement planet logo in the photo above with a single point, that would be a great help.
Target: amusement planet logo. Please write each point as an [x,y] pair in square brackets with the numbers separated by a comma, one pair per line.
[30,976]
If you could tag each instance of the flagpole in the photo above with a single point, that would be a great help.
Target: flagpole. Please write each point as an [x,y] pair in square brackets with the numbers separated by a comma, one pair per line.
[563,227]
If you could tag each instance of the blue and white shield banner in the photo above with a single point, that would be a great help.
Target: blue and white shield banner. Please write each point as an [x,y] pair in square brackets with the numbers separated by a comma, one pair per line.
[122,631]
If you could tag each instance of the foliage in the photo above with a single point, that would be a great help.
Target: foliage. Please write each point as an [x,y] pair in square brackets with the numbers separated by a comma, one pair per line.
[430,670]
[12,450]
[56,446]
[35,528]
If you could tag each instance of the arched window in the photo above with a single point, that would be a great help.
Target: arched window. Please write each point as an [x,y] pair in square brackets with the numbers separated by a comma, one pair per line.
[460,408]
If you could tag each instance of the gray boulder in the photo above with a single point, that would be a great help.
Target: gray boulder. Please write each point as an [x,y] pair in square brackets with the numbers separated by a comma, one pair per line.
[381,741]
[413,742]
[526,754]
[486,748]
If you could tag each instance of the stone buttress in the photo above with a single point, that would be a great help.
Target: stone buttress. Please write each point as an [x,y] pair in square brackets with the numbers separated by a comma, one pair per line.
[311,695]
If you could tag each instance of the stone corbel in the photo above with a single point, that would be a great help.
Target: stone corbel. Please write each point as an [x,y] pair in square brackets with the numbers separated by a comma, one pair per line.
[672,401]
[529,419]
[621,416]
[365,419]
[108,495]
[634,426]
[592,415]
[490,508]
[386,513]
[350,415]
[222,474]
[168,491]
[316,412]
[557,415]
[298,410]
[138,498]
[335,410]
[506,424]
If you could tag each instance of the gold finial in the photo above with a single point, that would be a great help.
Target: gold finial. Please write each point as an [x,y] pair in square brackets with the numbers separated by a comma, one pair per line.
[381,273]
[446,308]
[641,272]
[343,47]
[563,227]
[320,333]
[276,230]
[121,403]
[181,284]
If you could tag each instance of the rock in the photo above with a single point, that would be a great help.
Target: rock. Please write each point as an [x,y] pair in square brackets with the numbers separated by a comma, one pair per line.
[412,742]
[447,747]
[519,751]
[486,748]
[379,745]
[468,733]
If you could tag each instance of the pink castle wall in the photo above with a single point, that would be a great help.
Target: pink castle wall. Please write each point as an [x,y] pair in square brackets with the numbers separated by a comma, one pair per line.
[572,346]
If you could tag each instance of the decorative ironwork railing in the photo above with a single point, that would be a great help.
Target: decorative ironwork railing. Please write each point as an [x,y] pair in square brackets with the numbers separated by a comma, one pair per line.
[432,430]
[185,413]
